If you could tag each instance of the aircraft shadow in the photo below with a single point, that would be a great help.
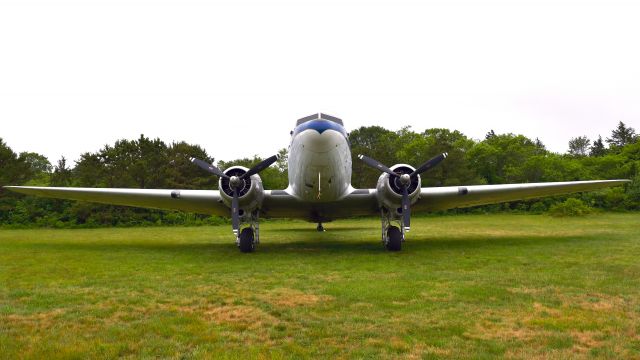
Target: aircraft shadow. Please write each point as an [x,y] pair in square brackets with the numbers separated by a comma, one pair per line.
[311,245]
[421,244]
[328,228]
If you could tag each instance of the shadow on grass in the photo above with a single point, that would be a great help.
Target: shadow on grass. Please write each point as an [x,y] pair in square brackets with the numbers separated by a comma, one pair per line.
[308,244]
[328,228]
[425,243]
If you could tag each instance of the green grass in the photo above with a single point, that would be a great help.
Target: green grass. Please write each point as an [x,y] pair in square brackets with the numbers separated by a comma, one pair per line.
[476,286]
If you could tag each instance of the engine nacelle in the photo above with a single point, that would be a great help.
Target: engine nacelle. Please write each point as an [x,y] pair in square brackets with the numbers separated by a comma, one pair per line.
[250,194]
[389,191]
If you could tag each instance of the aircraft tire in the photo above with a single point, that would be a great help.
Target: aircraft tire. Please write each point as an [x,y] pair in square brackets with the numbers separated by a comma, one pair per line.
[394,239]
[247,243]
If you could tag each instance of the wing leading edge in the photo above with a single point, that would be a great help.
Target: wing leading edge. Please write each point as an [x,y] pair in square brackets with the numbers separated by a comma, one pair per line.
[449,197]
[199,201]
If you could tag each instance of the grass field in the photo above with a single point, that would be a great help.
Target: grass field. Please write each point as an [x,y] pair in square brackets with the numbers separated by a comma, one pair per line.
[476,286]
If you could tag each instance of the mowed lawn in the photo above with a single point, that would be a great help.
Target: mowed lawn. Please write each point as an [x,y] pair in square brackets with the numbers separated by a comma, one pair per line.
[474,286]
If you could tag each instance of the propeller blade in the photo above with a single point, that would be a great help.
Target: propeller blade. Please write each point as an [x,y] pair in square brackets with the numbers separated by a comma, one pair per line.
[406,208]
[429,164]
[376,164]
[261,166]
[208,167]
[235,215]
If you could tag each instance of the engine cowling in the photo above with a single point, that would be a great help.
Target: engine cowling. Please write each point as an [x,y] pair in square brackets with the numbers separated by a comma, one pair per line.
[250,193]
[389,191]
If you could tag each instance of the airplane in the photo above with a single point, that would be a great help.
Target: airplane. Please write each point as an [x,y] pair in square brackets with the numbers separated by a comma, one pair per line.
[319,190]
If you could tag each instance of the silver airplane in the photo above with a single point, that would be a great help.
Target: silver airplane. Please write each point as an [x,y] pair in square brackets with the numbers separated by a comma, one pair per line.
[319,189]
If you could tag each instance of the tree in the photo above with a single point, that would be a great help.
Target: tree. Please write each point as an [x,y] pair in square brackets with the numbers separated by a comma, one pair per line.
[282,164]
[272,177]
[39,168]
[148,162]
[540,148]
[376,142]
[500,159]
[455,170]
[89,171]
[61,173]
[621,136]
[182,173]
[597,149]
[579,146]
[37,163]
[14,170]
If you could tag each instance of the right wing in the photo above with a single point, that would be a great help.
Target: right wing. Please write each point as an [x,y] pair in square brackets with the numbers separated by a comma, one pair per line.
[277,203]
[449,197]
[198,201]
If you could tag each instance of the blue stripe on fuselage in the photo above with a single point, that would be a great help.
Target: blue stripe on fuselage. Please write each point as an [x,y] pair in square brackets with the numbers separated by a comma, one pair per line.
[320,126]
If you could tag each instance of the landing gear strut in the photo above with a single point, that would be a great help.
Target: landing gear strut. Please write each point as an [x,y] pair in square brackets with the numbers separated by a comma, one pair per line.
[249,237]
[320,227]
[392,236]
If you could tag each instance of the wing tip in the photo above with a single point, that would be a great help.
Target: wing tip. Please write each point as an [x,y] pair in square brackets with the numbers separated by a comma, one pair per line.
[618,181]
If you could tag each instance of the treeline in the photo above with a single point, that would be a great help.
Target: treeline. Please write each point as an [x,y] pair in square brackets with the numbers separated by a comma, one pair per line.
[152,163]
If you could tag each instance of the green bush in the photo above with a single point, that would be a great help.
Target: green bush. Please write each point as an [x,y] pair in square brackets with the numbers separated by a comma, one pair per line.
[538,207]
[570,207]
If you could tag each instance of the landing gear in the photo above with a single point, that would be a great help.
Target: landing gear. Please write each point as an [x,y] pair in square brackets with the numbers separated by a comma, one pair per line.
[246,241]
[249,237]
[392,235]
[320,227]
[394,239]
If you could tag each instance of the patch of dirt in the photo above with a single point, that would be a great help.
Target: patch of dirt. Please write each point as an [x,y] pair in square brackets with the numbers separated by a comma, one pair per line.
[249,316]
[362,305]
[418,351]
[375,342]
[599,302]
[41,319]
[585,341]
[539,308]
[529,291]
[521,326]
[331,277]
[397,343]
[285,297]
[504,331]
[438,296]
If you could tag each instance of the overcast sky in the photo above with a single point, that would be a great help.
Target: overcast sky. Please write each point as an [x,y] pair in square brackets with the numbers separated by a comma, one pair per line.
[233,76]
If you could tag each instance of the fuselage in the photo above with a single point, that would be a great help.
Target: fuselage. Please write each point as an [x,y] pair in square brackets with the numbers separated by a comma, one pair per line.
[319,159]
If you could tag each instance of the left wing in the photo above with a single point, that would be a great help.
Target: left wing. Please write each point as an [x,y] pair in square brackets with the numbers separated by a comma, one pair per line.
[365,202]
[449,197]
[198,201]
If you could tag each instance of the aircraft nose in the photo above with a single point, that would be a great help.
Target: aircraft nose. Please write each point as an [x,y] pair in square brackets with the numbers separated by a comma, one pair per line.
[323,142]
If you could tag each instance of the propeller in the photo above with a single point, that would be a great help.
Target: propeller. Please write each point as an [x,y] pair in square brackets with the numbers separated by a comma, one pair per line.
[235,183]
[404,180]
[209,167]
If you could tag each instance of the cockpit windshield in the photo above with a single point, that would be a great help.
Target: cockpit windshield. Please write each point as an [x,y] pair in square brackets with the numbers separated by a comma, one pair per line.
[319,116]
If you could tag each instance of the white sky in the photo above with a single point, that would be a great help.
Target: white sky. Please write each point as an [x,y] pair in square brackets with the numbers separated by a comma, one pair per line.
[233,76]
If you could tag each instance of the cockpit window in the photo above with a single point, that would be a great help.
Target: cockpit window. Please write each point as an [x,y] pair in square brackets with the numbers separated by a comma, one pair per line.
[319,116]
